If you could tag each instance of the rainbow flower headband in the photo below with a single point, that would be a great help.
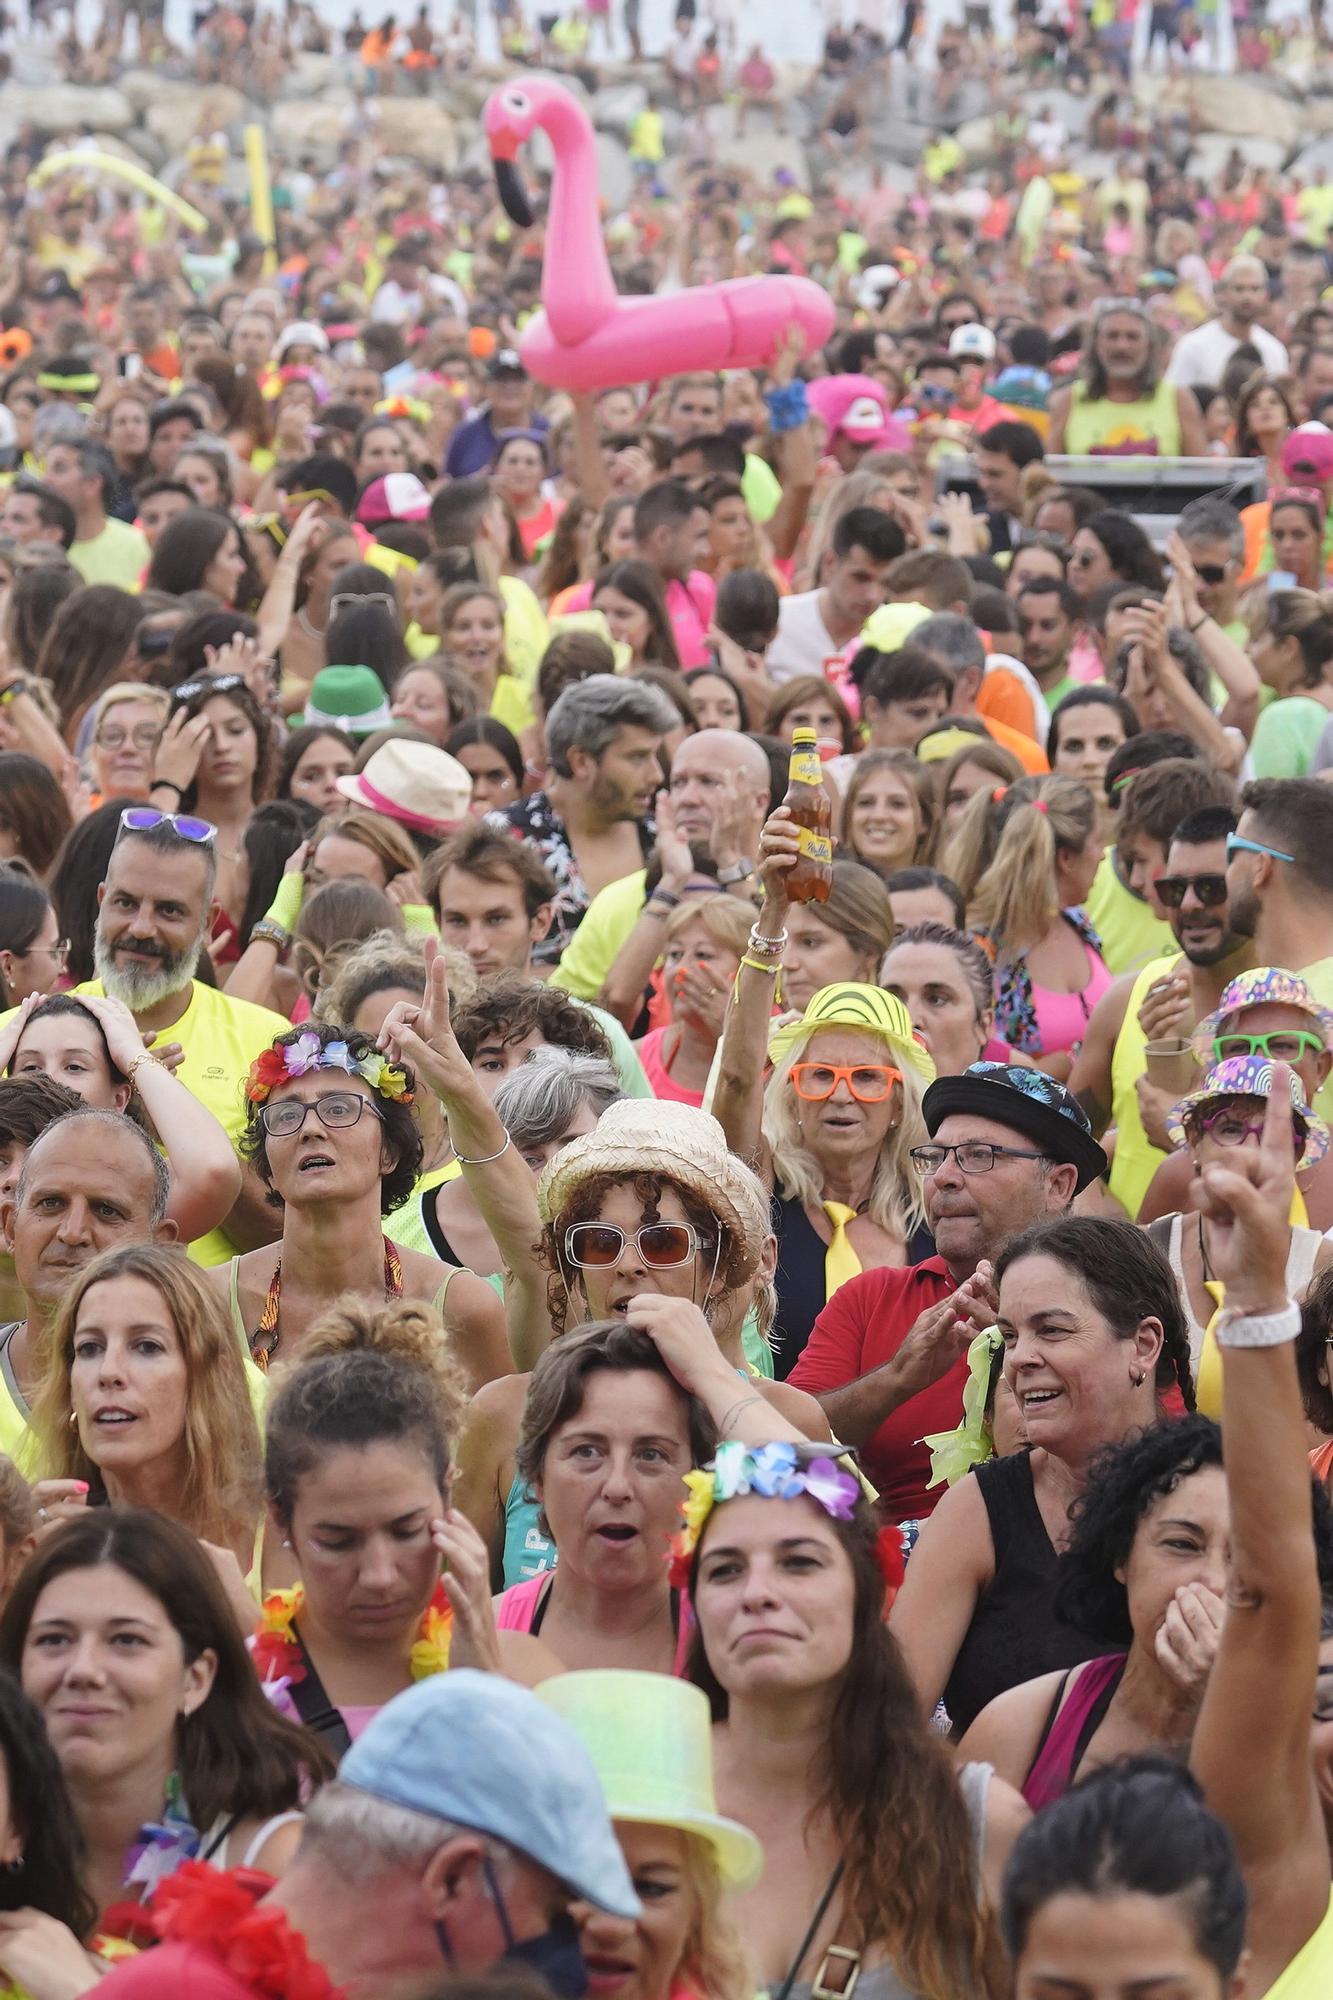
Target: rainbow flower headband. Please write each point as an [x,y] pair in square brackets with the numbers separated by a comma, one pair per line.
[774,1472]
[307,1054]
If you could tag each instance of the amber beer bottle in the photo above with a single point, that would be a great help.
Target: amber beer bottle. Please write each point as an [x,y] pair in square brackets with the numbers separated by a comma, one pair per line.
[811,807]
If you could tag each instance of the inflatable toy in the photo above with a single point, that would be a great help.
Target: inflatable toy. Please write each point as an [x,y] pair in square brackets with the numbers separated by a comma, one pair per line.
[588,337]
[77,161]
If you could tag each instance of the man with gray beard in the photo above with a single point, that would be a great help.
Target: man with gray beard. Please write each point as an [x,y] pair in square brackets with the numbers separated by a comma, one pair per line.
[152,920]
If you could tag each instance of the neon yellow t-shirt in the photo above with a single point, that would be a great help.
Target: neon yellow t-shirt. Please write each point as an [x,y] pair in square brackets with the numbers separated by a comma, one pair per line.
[119,555]
[527,634]
[221,1038]
[1129,931]
[760,488]
[606,924]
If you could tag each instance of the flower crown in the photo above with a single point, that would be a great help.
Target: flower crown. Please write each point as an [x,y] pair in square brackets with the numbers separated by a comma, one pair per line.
[775,1472]
[308,1053]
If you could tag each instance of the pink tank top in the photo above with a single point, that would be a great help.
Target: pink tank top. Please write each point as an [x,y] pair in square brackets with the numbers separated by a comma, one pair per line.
[522,1607]
[1062,1018]
[1069,1733]
[658,1075]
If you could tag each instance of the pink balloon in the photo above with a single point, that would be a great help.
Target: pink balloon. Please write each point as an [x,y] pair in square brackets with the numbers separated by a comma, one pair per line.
[588,337]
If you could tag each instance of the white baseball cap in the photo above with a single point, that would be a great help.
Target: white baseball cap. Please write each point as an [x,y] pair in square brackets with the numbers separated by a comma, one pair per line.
[972,342]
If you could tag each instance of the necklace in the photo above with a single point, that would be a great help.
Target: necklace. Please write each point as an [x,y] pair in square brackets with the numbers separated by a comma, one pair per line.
[311,631]
[278,1650]
[264,1339]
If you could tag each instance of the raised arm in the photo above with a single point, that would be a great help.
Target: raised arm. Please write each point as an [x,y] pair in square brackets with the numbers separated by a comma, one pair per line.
[738,1099]
[622,994]
[205,1170]
[1252,1747]
[497,1178]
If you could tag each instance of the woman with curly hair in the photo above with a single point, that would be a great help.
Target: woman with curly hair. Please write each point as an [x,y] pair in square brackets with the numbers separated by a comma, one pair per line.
[872,1838]
[330,1129]
[1145,1570]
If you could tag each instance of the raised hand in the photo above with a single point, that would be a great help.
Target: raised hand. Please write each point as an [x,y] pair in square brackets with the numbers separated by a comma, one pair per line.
[181,745]
[1246,1199]
[424,1036]
[779,852]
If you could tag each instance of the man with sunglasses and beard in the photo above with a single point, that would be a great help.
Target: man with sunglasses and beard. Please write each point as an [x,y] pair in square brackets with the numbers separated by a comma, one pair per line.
[1162,1003]
[153,914]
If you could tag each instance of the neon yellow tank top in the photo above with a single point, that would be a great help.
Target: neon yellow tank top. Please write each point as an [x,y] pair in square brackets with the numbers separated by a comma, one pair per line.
[1309,1976]
[1136,1158]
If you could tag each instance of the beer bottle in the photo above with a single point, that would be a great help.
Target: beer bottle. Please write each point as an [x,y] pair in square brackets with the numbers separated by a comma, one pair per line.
[811,807]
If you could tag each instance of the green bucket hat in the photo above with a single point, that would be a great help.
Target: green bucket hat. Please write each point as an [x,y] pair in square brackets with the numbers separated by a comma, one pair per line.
[348,698]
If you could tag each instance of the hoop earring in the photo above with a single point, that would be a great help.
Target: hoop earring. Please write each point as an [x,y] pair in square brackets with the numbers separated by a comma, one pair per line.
[1138,1379]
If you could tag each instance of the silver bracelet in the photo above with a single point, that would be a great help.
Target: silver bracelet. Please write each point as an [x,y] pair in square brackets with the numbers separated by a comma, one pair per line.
[1238,1329]
[485,1161]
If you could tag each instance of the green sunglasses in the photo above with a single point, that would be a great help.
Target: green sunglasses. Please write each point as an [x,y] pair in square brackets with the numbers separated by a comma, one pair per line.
[1282,1045]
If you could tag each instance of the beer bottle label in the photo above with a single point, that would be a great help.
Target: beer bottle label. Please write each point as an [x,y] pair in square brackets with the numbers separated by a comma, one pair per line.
[814,846]
[805,768]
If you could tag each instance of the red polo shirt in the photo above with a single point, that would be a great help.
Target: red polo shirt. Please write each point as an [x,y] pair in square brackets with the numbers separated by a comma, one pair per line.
[863,1325]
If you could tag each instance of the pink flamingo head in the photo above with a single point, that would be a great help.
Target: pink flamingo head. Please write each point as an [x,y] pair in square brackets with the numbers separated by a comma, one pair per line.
[512,115]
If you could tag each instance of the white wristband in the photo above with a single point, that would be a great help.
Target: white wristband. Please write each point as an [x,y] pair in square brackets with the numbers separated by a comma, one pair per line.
[1237,1329]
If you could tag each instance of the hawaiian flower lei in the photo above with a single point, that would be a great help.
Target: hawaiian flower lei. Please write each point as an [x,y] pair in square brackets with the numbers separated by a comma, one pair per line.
[276,1647]
[775,1472]
[254,1940]
[307,1053]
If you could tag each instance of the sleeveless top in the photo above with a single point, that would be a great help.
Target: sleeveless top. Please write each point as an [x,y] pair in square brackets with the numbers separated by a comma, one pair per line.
[527,1551]
[523,1609]
[659,1076]
[1308,1976]
[1070,1729]
[238,1318]
[1014,1635]
[881,1982]
[416,1225]
[1038,1019]
[1149,428]
[1136,1158]
[799,1278]
[1300,1269]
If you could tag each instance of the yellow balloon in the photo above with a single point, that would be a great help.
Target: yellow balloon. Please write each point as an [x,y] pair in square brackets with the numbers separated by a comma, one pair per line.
[75,161]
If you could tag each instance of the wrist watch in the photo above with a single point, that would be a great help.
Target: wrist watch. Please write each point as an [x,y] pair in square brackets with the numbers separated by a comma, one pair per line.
[735,871]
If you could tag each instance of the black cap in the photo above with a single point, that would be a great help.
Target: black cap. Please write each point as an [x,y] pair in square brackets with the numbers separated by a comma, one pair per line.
[1028,1100]
[506,363]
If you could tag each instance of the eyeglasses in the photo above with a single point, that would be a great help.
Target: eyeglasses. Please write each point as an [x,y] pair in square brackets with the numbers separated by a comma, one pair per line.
[1286,1045]
[337,1109]
[59,951]
[145,737]
[599,1246]
[1212,572]
[142,819]
[345,598]
[208,684]
[1211,890]
[1236,845]
[1232,1128]
[974,1156]
[869,1083]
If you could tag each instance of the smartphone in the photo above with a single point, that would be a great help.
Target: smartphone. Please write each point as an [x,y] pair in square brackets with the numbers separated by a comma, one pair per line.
[1282,579]
[131,366]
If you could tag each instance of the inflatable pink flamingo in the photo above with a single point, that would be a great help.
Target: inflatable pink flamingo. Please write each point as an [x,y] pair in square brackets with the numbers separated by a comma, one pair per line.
[588,337]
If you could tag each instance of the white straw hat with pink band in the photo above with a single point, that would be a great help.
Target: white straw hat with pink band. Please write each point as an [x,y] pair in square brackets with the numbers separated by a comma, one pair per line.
[421,787]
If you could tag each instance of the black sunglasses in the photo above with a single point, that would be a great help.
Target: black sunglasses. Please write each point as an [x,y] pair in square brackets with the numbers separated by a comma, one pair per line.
[1211,890]
[1211,572]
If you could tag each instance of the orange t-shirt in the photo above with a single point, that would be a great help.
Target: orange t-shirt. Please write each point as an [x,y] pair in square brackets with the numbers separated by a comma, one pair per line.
[1029,754]
[1003,697]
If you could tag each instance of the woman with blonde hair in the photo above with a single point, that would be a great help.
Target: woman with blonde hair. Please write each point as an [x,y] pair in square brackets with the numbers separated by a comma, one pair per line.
[703,941]
[146,1400]
[472,638]
[127,725]
[649,1739]
[832,1131]
[359,842]
[1025,859]
[888,811]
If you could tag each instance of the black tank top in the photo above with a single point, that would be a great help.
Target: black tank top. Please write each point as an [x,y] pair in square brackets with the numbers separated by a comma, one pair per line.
[1015,1634]
[799,1278]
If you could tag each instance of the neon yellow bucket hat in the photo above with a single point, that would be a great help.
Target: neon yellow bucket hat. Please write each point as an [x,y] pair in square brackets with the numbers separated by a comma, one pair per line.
[854,1005]
[650,1738]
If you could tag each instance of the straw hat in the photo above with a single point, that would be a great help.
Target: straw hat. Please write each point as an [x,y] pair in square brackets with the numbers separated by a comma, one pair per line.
[650,1739]
[1247,1076]
[647,1136]
[416,784]
[867,1008]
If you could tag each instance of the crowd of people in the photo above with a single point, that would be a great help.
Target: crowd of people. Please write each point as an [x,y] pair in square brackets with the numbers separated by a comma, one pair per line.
[665,1071]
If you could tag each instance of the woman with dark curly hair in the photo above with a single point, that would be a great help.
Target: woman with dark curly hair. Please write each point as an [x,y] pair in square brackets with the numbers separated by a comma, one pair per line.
[330,1129]
[879,1851]
[1145,1570]
[41,1854]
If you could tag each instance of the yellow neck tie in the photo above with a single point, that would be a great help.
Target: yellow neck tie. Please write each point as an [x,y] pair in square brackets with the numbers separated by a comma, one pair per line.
[840,1259]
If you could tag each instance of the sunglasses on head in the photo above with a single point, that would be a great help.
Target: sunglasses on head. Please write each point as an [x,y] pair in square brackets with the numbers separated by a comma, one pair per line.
[208,685]
[601,1245]
[143,819]
[1211,890]
[345,598]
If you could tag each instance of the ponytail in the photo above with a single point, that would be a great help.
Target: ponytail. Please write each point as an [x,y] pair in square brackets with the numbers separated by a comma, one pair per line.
[1007,847]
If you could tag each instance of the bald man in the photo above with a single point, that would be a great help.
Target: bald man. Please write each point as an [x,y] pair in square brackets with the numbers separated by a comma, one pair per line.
[720,790]
[1241,295]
